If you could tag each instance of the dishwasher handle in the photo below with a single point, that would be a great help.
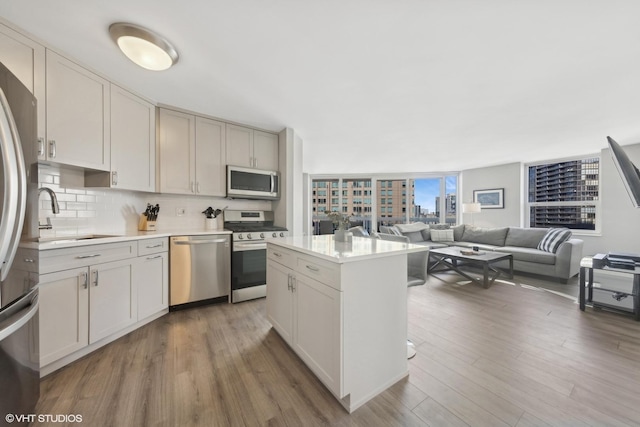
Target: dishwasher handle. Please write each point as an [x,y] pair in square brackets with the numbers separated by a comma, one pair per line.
[200,242]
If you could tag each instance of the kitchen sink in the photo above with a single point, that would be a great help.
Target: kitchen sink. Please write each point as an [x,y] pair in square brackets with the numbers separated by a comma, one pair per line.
[70,239]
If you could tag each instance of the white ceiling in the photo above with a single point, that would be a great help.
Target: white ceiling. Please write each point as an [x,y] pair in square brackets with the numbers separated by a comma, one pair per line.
[381,85]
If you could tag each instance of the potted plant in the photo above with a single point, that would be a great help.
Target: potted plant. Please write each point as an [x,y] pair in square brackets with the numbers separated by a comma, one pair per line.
[340,223]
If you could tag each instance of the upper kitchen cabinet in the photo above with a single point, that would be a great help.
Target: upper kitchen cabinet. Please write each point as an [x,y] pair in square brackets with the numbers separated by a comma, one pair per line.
[210,157]
[77,115]
[192,153]
[251,148]
[133,145]
[177,142]
[26,59]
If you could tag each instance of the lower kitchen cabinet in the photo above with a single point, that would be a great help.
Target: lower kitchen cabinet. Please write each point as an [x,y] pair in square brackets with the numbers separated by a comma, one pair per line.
[280,300]
[151,273]
[113,299]
[307,314]
[83,308]
[64,313]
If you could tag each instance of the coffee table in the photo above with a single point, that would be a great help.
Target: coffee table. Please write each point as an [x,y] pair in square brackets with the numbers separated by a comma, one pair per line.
[450,258]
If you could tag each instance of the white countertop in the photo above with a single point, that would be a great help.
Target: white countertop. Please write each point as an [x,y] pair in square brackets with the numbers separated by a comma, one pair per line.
[60,242]
[360,247]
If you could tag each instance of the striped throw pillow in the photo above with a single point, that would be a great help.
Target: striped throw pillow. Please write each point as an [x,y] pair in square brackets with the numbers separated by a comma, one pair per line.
[553,239]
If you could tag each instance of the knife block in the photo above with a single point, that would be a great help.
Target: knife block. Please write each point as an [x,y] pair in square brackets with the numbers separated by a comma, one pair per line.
[146,225]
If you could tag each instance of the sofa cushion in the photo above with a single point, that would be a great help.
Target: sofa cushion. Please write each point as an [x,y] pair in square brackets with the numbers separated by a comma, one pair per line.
[426,233]
[458,231]
[553,239]
[442,235]
[413,231]
[390,229]
[489,236]
[529,254]
[525,237]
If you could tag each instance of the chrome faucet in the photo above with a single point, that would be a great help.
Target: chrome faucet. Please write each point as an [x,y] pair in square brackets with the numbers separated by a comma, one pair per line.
[55,208]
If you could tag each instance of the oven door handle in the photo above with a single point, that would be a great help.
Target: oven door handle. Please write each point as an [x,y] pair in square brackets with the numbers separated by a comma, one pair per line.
[198,242]
[249,246]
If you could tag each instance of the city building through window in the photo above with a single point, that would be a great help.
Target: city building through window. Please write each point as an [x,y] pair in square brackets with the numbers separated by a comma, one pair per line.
[565,194]
[372,201]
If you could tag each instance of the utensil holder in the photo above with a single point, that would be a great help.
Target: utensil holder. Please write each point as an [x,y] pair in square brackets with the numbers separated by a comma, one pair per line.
[211,223]
[146,225]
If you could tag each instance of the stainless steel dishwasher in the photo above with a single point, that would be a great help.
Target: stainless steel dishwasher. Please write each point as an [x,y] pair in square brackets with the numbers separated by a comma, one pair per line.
[200,269]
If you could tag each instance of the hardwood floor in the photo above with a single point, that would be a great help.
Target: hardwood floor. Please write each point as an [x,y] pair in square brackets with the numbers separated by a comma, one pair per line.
[504,356]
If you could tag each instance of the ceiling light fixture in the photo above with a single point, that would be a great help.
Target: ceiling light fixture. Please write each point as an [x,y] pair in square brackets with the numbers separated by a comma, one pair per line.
[143,47]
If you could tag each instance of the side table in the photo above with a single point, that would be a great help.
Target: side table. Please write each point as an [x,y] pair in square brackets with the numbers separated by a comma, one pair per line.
[586,286]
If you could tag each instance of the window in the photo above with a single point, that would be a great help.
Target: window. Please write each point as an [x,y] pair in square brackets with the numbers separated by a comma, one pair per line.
[565,194]
[384,201]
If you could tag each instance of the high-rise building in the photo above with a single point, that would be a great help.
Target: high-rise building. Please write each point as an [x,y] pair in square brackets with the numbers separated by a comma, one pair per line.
[572,181]
[393,198]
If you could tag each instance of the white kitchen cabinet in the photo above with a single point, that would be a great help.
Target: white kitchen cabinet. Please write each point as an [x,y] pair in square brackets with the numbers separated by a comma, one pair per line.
[151,273]
[177,141]
[251,148]
[307,314]
[77,110]
[26,59]
[210,164]
[64,313]
[317,333]
[280,301]
[133,145]
[101,292]
[113,298]
[192,153]
[342,308]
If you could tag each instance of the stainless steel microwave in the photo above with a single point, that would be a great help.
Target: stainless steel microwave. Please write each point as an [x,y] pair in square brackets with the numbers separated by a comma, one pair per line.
[248,183]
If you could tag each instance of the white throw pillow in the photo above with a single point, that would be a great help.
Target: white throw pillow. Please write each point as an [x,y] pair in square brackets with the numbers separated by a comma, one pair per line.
[442,235]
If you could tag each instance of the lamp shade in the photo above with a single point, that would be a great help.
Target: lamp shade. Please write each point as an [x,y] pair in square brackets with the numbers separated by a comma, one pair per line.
[143,47]
[471,208]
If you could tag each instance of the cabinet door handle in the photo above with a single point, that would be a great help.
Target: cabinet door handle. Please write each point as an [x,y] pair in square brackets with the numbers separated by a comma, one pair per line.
[114,178]
[293,283]
[159,245]
[277,254]
[193,187]
[52,148]
[41,147]
[85,279]
[197,187]
[88,256]
[255,162]
[28,260]
[312,268]
[288,282]
[154,257]
[95,272]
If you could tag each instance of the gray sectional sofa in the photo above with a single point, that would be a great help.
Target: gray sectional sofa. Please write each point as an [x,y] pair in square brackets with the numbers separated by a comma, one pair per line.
[522,243]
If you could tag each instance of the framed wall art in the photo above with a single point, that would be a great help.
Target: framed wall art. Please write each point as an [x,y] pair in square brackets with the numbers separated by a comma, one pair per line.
[489,199]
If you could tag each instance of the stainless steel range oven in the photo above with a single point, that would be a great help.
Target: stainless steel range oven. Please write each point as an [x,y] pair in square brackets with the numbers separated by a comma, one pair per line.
[249,251]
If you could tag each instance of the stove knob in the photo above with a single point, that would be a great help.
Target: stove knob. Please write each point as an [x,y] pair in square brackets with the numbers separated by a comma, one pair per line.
[281,234]
[262,235]
[274,235]
[249,236]
[240,237]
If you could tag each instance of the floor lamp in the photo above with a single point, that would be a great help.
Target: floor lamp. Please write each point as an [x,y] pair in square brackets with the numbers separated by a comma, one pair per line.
[471,208]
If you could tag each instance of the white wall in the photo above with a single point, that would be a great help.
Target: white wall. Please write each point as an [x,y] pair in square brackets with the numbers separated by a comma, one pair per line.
[620,231]
[507,176]
[620,220]
[110,211]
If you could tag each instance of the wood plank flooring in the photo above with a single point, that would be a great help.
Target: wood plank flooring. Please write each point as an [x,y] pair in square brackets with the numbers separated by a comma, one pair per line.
[504,356]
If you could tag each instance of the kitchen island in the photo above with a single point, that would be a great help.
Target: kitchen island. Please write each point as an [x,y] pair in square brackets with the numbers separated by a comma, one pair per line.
[342,307]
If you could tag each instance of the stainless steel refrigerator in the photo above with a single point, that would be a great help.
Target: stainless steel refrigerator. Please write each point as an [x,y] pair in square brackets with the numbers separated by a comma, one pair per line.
[19,347]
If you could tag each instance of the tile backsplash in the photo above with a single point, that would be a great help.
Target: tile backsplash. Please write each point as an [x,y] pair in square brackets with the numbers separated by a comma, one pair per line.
[111,211]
